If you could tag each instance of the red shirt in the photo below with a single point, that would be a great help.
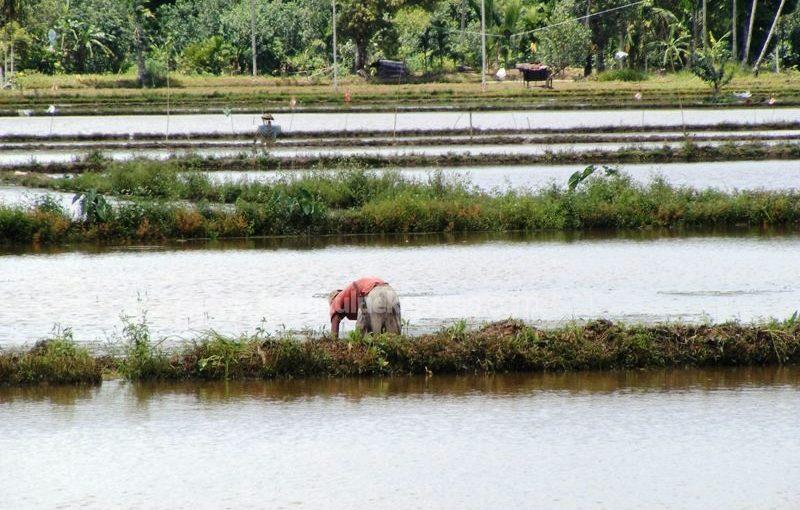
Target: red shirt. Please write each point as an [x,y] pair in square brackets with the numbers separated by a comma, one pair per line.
[346,301]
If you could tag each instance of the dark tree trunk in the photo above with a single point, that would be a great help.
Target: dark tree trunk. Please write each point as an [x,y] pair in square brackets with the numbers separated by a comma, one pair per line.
[601,57]
[734,28]
[587,68]
[361,55]
[693,40]
[139,44]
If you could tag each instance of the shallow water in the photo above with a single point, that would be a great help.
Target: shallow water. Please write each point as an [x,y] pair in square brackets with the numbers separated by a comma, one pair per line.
[243,286]
[305,122]
[724,175]
[9,158]
[688,439]
[17,195]
[727,176]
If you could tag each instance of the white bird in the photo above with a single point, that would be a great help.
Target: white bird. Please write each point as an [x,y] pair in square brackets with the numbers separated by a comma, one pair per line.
[620,55]
[52,110]
[638,96]
[501,74]
[743,95]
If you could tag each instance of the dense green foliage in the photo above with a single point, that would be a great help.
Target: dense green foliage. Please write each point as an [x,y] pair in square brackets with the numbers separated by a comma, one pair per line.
[358,201]
[499,347]
[295,36]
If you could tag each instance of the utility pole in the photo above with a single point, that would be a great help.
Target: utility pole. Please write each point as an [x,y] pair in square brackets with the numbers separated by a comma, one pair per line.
[253,35]
[335,66]
[483,45]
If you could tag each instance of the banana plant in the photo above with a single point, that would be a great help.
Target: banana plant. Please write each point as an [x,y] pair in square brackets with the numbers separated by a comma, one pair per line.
[94,207]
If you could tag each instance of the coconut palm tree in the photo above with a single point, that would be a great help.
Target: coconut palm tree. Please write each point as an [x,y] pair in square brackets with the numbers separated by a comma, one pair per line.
[769,36]
[746,56]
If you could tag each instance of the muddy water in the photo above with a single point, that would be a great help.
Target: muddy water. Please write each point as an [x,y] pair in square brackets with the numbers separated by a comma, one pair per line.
[656,440]
[542,279]
[726,176]
[304,122]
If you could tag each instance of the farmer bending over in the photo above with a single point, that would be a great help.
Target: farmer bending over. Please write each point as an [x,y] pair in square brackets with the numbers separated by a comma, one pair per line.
[371,302]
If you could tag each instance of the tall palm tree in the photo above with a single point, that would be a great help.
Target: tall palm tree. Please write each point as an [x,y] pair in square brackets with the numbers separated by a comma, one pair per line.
[746,56]
[769,36]
[733,30]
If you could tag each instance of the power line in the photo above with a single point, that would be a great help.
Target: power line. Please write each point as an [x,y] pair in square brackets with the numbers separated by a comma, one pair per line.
[606,11]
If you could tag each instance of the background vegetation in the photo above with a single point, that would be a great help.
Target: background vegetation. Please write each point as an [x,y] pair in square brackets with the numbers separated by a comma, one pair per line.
[148,37]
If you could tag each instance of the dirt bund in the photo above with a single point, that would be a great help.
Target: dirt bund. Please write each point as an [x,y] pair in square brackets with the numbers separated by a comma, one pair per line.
[645,130]
[251,103]
[247,161]
[508,346]
[484,138]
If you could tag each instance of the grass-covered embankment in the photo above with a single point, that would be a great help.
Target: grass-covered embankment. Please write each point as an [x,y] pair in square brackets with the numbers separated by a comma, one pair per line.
[58,360]
[501,347]
[359,201]
[118,94]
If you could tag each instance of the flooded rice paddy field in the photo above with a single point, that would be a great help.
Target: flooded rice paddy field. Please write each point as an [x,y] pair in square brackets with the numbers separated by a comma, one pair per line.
[238,287]
[19,157]
[722,175]
[403,138]
[689,439]
[337,122]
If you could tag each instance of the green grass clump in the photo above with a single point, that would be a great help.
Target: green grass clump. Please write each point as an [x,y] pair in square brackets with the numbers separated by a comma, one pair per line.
[57,360]
[623,75]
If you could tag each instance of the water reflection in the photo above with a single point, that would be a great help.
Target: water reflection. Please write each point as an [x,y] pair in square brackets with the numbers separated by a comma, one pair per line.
[665,439]
[60,395]
[397,240]
[499,385]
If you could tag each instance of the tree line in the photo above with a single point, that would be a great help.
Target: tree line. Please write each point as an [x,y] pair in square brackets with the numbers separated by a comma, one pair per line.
[431,36]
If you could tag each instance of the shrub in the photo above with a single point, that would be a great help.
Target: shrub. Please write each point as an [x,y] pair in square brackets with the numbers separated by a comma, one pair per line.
[623,75]
[213,55]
